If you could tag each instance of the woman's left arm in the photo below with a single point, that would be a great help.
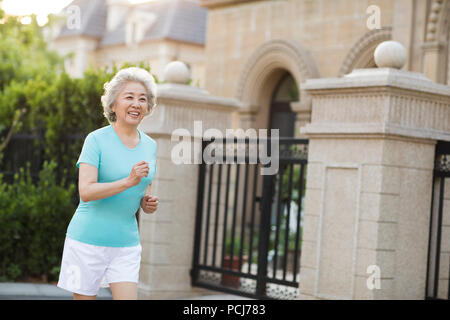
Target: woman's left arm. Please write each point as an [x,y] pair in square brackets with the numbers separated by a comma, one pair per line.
[150,203]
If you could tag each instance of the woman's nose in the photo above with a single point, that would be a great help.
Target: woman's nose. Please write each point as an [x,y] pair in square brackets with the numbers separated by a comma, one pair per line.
[135,103]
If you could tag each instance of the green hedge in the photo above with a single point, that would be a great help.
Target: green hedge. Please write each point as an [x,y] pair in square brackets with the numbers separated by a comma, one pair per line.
[33,223]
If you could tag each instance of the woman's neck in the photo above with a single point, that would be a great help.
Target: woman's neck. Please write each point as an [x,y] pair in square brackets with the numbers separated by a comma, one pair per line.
[125,131]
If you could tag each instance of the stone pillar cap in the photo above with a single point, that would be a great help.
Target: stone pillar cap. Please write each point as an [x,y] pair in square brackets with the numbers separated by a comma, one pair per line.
[364,78]
[390,54]
[177,72]
[175,91]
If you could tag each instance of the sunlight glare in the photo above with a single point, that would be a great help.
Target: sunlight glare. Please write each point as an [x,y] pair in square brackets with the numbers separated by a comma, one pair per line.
[40,8]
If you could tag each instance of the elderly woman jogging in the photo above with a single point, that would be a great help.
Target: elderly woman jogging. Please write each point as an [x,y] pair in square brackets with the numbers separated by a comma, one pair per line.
[116,165]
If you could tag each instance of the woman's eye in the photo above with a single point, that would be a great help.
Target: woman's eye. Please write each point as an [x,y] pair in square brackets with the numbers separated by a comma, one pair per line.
[129,98]
[143,100]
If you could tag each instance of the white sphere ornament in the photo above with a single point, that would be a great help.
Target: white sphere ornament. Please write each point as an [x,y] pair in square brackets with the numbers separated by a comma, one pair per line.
[177,72]
[390,54]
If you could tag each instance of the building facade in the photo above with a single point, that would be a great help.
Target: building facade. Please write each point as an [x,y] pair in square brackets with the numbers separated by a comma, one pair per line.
[374,195]
[267,55]
[252,45]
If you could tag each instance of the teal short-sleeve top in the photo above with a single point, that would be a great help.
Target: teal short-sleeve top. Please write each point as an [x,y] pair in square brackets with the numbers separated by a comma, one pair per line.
[111,222]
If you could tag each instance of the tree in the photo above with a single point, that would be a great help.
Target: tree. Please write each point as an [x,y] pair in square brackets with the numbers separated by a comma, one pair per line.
[23,57]
[38,96]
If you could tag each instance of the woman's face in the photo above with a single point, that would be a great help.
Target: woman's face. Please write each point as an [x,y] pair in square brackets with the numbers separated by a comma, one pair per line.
[131,104]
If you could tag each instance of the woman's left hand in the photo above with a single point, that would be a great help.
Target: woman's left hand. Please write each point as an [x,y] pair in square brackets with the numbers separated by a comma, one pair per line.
[149,203]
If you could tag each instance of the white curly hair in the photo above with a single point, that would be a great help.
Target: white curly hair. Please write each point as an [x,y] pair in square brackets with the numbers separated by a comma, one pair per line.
[113,87]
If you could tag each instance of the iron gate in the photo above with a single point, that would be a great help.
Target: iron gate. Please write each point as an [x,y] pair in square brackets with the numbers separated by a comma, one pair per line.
[249,226]
[438,269]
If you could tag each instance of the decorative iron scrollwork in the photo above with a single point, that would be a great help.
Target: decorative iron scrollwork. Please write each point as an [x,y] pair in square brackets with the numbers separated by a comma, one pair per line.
[442,163]
[294,151]
[282,292]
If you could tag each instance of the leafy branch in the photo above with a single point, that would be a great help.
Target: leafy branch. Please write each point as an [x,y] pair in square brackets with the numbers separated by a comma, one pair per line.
[15,124]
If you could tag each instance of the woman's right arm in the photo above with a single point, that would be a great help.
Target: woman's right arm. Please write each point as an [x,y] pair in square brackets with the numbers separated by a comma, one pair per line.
[90,189]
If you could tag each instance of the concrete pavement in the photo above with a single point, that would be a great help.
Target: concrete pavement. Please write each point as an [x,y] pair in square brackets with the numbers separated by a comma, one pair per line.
[35,291]
[38,291]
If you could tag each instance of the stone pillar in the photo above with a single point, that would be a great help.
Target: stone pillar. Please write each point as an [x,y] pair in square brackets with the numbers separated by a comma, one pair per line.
[435,46]
[369,181]
[302,109]
[167,236]
[434,61]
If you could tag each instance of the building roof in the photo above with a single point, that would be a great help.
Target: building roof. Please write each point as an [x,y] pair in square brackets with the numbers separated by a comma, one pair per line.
[181,20]
[93,19]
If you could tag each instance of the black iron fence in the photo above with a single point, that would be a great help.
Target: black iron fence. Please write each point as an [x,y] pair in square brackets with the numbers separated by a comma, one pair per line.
[438,270]
[249,225]
[29,149]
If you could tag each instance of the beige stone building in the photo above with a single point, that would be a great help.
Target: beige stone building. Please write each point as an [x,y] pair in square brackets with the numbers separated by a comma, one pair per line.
[251,45]
[375,215]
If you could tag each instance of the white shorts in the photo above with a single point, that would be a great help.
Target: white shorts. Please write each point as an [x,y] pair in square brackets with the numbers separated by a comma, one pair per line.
[86,267]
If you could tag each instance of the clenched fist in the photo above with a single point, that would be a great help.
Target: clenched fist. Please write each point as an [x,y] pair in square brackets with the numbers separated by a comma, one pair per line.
[149,203]
[138,171]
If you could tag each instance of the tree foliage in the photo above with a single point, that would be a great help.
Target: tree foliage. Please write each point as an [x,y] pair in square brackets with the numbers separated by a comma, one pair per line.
[37,95]
[24,58]
[33,222]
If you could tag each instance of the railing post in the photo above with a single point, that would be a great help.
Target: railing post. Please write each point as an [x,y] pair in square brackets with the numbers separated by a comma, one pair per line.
[198,219]
[264,231]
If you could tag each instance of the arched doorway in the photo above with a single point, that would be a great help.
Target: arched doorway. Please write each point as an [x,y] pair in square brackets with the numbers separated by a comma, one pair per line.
[282,116]
[251,244]
[264,74]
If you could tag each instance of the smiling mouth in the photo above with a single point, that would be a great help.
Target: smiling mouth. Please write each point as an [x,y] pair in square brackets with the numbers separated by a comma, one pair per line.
[134,114]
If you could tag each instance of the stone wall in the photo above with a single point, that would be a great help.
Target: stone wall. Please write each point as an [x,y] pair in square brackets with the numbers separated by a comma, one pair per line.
[327,28]
[369,184]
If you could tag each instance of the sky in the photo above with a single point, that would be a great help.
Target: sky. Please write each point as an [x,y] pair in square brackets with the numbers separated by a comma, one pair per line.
[39,7]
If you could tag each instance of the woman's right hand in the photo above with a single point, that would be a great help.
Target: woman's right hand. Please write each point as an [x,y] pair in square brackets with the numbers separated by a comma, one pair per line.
[138,171]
